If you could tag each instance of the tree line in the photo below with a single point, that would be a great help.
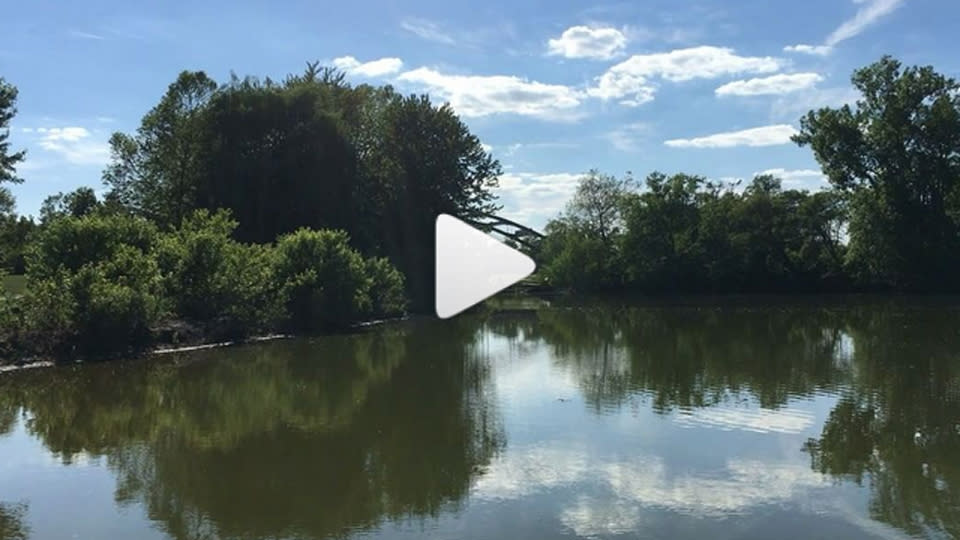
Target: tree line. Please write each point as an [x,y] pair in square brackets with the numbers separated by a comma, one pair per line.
[230,201]
[888,221]
[249,206]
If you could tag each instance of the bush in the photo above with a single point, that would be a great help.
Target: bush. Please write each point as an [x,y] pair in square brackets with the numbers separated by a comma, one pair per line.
[93,285]
[386,284]
[321,279]
[211,277]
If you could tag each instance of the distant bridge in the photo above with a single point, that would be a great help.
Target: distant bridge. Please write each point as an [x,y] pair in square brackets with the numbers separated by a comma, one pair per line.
[508,229]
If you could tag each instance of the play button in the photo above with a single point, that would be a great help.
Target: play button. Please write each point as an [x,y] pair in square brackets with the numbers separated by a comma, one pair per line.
[472,266]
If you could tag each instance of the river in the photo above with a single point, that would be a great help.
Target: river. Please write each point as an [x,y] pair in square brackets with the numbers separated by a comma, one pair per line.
[573,419]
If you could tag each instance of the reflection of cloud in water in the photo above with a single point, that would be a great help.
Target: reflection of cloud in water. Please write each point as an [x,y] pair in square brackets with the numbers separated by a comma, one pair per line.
[640,482]
[756,420]
[590,516]
[537,468]
[646,483]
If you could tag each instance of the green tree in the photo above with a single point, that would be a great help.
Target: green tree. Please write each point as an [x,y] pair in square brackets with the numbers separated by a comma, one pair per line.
[8,109]
[77,203]
[157,171]
[894,156]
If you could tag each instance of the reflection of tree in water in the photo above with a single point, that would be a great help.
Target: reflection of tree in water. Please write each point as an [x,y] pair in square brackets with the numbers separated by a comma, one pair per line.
[898,428]
[286,439]
[695,357]
[11,522]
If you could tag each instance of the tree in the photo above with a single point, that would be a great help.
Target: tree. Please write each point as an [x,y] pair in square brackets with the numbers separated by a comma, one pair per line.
[77,203]
[896,158]
[156,172]
[8,109]
[598,202]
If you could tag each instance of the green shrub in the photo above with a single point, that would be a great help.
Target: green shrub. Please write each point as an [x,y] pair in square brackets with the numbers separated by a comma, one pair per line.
[387,297]
[321,279]
[93,285]
[70,243]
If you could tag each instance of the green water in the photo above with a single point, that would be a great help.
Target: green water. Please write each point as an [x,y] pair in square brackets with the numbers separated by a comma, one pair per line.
[702,420]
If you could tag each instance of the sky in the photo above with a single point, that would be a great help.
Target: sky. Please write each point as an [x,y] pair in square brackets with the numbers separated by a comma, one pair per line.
[708,87]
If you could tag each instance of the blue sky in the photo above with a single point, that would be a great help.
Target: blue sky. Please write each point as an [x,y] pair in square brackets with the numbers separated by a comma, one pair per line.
[711,87]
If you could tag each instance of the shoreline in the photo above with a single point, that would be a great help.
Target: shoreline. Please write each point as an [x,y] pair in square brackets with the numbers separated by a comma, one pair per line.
[162,349]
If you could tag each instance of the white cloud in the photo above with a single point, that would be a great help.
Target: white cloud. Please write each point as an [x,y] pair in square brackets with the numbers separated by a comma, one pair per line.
[534,198]
[814,50]
[759,136]
[374,68]
[75,145]
[588,42]
[632,81]
[870,13]
[486,147]
[477,95]
[810,179]
[427,30]
[782,83]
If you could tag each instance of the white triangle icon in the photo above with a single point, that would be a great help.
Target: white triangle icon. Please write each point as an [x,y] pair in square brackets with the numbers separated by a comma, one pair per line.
[472,265]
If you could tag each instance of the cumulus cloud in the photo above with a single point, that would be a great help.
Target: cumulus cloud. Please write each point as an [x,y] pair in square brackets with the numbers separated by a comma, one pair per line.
[534,198]
[633,81]
[773,85]
[588,42]
[477,95]
[758,136]
[427,30]
[75,144]
[374,68]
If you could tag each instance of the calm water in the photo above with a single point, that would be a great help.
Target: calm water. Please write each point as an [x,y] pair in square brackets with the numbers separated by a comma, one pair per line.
[600,421]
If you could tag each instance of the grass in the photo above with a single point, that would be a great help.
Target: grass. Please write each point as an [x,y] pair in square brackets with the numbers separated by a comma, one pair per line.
[15,284]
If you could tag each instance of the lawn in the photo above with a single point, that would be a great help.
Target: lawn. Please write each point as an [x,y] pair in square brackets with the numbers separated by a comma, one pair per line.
[15,284]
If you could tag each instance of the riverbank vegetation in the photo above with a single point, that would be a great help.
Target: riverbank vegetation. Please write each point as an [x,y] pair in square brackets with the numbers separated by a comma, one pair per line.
[889,220]
[308,204]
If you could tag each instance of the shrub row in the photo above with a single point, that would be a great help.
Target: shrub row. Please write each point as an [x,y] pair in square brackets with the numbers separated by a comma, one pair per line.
[107,284]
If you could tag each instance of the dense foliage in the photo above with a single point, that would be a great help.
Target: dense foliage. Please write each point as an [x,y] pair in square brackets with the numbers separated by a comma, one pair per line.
[890,219]
[103,284]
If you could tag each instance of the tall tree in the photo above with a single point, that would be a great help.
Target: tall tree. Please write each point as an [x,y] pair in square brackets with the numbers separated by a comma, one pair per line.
[8,109]
[896,157]
[157,171]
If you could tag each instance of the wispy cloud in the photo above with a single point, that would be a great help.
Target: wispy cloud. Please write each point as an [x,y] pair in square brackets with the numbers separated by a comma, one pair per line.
[759,136]
[485,95]
[75,144]
[868,14]
[790,108]
[628,138]
[374,68]
[774,85]
[427,30]
[85,35]
[633,81]
[594,42]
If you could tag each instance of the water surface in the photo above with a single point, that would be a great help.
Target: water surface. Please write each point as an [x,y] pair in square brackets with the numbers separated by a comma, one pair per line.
[588,420]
